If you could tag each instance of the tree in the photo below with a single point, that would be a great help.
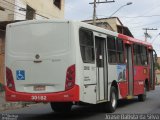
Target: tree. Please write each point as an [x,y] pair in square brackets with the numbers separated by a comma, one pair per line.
[157,66]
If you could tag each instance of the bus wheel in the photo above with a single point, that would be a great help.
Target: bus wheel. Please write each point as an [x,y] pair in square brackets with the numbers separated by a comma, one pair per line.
[142,97]
[112,104]
[61,106]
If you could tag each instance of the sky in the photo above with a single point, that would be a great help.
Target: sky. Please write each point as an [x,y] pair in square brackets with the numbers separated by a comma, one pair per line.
[140,14]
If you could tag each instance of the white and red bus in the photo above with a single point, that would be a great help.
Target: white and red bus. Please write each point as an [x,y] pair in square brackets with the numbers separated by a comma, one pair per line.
[68,62]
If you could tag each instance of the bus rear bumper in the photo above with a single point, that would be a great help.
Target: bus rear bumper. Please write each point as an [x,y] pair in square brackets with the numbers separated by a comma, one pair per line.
[71,95]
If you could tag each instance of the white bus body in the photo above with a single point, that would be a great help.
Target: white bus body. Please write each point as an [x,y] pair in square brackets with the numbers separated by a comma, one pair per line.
[44,63]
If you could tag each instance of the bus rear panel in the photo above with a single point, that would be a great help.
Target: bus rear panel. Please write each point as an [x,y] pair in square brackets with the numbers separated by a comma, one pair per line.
[40,65]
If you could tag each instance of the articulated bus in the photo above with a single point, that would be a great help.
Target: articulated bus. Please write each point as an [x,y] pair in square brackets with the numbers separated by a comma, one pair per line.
[68,62]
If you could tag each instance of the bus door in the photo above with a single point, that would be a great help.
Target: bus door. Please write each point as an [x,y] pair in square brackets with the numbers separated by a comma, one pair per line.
[128,49]
[152,60]
[100,50]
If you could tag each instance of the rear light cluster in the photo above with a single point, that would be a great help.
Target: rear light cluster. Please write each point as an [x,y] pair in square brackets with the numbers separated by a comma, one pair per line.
[70,77]
[9,79]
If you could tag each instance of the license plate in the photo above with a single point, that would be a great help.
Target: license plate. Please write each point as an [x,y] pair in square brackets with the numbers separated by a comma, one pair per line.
[39,88]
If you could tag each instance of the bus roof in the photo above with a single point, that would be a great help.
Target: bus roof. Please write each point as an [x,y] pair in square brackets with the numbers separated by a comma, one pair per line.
[37,22]
[85,25]
[134,40]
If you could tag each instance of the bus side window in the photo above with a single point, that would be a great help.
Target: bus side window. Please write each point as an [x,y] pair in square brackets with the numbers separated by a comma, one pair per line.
[86,45]
[140,55]
[137,54]
[144,55]
[111,49]
[120,51]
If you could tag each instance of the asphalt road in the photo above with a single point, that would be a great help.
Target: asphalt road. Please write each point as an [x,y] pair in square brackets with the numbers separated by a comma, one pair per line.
[44,112]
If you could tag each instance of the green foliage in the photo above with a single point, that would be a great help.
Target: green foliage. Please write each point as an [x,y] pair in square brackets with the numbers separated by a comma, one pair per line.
[1,87]
[157,66]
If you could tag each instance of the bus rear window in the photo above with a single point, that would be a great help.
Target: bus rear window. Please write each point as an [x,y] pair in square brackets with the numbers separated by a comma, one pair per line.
[39,38]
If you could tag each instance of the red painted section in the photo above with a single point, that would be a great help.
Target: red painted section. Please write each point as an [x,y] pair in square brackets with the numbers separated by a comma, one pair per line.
[66,96]
[130,40]
[138,87]
[123,88]
[141,73]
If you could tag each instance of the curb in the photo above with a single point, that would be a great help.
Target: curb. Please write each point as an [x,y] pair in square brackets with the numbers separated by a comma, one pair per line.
[10,106]
[4,105]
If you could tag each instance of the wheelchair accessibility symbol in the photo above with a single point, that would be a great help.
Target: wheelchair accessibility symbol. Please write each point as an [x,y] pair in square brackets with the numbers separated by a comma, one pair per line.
[20,74]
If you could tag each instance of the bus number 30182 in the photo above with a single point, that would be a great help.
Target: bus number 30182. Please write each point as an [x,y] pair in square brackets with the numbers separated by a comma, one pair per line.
[39,98]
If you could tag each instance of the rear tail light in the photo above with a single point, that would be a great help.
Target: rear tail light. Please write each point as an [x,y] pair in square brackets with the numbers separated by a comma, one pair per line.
[9,79]
[70,77]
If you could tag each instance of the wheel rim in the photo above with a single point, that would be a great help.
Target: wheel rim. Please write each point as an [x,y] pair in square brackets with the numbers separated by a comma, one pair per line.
[114,100]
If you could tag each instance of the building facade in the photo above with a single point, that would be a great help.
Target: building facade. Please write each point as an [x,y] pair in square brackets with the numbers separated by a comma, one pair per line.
[113,24]
[6,10]
[158,77]
[40,9]
[31,9]
[158,60]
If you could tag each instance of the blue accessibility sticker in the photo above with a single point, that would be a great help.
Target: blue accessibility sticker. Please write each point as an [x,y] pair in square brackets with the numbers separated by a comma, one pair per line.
[20,75]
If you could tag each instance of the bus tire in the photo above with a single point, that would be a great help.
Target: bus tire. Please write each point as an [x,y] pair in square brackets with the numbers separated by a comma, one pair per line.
[142,97]
[61,106]
[110,106]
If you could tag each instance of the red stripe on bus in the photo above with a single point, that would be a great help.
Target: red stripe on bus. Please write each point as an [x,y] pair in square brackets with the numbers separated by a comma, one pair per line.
[65,96]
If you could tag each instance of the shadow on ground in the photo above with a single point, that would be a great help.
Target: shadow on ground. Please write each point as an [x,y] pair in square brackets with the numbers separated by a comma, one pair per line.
[78,113]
